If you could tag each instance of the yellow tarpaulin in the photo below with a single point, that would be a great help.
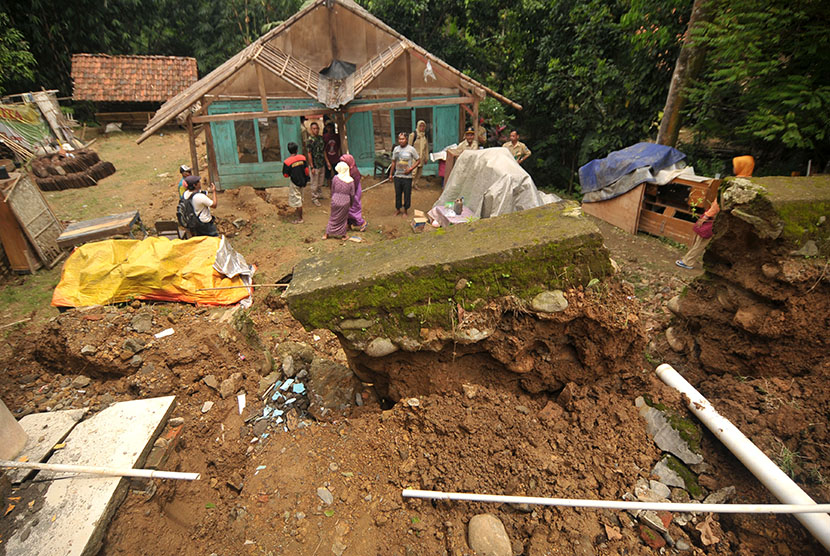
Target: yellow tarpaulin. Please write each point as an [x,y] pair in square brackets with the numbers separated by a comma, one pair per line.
[154,268]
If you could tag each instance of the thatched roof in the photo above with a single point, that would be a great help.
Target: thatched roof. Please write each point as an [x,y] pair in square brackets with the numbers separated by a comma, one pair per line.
[287,61]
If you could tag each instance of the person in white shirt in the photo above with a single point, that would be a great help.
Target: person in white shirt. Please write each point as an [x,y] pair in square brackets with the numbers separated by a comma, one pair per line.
[201,206]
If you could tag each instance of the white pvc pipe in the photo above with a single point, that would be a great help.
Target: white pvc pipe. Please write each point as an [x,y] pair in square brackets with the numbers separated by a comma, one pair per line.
[104,471]
[769,474]
[622,504]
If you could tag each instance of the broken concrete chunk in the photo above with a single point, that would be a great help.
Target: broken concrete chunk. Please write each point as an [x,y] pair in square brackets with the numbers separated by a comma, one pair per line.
[666,436]
[549,302]
[667,476]
[721,496]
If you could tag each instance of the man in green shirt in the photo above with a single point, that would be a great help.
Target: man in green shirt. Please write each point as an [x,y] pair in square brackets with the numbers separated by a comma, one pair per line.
[316,163]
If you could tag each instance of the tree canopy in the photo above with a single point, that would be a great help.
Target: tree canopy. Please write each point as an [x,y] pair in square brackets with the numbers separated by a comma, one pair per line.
[592,75]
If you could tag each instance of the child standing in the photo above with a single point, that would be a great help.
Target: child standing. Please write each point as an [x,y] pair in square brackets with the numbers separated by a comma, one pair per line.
[295,167]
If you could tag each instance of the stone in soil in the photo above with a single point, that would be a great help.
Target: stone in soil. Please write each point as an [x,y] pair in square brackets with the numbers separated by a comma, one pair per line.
[665,436]
[210,380]
[549,302]
[88,350]
[230,385]
[332,385]
[80,381]
[487,537]
[666,475]
[325,495]
[142,322]
[288,369]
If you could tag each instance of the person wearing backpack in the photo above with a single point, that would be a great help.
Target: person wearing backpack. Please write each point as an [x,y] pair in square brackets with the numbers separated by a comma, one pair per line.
[194,209]
[296,168]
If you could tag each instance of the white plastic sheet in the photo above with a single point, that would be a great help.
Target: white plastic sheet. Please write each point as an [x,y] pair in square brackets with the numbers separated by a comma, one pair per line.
[492,183]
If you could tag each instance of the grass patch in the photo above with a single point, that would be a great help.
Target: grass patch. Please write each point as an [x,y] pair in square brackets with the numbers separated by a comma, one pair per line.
[32,293]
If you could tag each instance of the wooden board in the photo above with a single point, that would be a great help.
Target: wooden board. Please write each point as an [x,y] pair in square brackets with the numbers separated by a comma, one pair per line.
[667,226]
[21,258]
[623,211]
[36,218]
[99,228]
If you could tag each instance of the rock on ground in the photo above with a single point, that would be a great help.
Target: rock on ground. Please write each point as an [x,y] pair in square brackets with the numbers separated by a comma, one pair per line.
[487,536]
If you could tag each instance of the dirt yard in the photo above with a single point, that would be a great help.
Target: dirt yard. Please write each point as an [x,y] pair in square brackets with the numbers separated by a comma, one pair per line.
[330,483]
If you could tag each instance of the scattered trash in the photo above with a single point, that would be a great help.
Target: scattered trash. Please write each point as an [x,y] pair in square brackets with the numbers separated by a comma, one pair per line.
[316,338]
[164,333]
[59,446]
[356,239]
[207,407]
[298,388]
[241,356]
[240,399]
[287,384]
[9,509]
[210,505]
[259,468]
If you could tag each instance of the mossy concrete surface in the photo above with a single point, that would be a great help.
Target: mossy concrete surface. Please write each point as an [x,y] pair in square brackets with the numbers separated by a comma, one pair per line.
[397,289]
[794,209]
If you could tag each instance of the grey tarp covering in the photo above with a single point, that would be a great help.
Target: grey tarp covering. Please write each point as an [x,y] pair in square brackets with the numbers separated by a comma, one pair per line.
[492,183]
[231,263]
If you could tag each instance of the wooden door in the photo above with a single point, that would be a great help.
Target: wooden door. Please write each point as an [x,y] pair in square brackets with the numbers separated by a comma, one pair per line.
[361,134]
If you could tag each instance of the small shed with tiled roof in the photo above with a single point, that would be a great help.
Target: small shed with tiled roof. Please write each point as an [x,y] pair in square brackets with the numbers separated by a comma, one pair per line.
[130,83]
[332,59]
[104,78]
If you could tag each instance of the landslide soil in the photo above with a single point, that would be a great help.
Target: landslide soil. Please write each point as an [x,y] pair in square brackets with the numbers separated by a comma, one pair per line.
[585,440]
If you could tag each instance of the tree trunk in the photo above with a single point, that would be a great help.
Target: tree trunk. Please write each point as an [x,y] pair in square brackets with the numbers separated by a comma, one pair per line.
[689,63]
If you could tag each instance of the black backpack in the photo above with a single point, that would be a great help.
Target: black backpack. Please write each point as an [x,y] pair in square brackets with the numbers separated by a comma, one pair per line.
[186,214]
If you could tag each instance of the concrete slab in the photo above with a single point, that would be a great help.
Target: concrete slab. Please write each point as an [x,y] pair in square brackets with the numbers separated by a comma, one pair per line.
[44,430]
[399,289]
[77,509]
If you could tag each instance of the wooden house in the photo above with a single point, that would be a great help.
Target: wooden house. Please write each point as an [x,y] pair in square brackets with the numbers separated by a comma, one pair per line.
[331,59]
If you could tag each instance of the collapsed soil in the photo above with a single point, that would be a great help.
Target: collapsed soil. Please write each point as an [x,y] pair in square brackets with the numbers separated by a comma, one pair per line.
[573,439]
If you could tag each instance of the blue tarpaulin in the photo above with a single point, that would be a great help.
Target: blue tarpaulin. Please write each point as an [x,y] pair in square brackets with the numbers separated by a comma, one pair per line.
[602,172]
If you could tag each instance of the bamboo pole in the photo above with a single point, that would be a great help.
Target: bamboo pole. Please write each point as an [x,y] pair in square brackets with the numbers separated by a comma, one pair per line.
[237,287]
[104,471]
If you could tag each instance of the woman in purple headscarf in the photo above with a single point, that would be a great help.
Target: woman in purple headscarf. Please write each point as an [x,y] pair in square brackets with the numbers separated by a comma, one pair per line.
[342,197]
[356,210]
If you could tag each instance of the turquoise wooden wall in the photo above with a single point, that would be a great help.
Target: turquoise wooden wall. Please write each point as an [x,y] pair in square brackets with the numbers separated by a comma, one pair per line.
[361,133]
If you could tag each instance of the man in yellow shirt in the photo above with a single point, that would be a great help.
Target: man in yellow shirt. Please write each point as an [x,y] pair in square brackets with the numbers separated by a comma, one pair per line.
[518,149]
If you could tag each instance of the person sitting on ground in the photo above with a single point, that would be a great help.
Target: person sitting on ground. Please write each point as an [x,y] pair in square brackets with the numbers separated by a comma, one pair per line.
[201,206]
[342,197]
[703,235]
[518,149]
[185,171]
[296,168]
[404,161]
[356,210]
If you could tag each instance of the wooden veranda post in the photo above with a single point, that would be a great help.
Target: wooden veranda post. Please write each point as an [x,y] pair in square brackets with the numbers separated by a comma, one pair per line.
[340,120]
[194,159]
[408,61]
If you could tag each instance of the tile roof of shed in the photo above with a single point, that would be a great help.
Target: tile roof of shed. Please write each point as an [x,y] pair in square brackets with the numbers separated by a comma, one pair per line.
[100,77]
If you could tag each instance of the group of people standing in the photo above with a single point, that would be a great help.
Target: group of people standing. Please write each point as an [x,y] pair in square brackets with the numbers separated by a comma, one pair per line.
[324,156]
[326,161]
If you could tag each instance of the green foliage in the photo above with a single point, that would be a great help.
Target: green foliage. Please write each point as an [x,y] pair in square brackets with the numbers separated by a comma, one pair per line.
[765,83]
[15,59]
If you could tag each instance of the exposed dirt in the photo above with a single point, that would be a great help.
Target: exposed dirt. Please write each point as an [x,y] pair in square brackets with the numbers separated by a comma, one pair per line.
[596,335]
[570,431]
